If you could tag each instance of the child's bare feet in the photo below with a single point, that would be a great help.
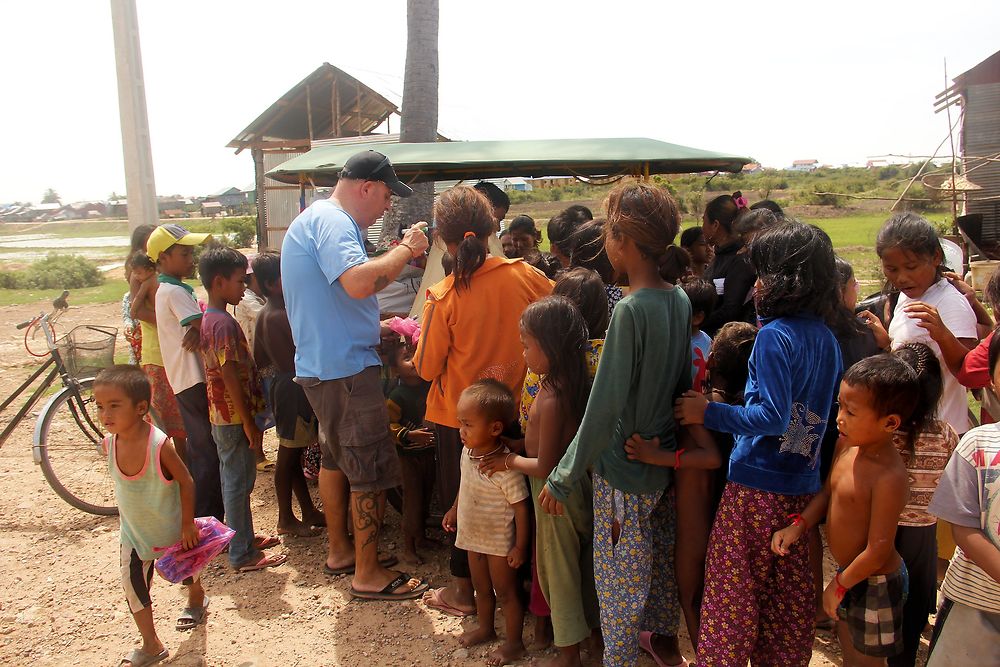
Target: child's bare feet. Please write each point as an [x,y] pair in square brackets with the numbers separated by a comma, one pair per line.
[297,528]
[411,557]
[543,633]
[477,635]
[506,653]
[314,518]
[564,659]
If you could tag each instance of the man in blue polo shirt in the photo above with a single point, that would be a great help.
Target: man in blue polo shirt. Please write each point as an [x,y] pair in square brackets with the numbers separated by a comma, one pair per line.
[329,285]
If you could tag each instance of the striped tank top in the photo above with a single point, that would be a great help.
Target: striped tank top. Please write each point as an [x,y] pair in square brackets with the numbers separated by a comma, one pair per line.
[149,505]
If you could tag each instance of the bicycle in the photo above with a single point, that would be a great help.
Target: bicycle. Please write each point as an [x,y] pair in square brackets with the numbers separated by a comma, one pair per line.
[67,441]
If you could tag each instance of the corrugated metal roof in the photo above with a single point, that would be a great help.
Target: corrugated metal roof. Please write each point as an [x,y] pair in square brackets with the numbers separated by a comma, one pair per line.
[362,109]
[981,138]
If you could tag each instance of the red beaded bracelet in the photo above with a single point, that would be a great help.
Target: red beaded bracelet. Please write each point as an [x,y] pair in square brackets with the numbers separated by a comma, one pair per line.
[677,458]
[798,519]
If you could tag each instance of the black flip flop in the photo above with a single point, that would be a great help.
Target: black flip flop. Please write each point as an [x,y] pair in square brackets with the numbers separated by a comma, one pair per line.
[387,592]
[384,561]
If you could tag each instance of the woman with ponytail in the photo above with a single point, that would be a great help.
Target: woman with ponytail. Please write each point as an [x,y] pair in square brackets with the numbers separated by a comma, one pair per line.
[730,271]
[469,331]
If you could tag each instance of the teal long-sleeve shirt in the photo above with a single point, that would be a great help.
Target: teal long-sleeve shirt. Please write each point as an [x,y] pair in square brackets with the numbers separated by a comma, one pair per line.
[645,364]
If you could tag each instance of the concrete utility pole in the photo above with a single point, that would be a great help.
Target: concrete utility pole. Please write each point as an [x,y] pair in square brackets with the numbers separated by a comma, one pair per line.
[140,187]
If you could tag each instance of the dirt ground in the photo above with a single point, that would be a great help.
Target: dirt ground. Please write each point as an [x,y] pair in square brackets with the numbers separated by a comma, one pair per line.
[62,603]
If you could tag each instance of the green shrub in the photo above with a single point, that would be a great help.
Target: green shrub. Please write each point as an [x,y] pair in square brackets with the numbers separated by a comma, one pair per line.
[240,231]
[54,272]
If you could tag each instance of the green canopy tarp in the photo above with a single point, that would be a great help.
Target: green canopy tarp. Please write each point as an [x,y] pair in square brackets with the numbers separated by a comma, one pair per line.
[469,160]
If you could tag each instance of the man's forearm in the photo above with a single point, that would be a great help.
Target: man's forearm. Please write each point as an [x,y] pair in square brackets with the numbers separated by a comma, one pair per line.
[373,276]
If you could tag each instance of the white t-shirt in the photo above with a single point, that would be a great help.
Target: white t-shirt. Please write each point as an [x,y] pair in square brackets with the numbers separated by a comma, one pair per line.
[176,308]
[958,316]
[969,495]
[247,312]
[485,512]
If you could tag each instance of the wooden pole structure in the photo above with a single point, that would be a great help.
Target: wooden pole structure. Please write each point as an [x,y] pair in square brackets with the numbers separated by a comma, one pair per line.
[357,105]
[334,109]
[309,112]
[263,241]
[140,186]
[954,169]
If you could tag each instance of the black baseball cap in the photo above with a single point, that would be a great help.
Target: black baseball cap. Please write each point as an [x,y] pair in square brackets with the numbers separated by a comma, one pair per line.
[373,166]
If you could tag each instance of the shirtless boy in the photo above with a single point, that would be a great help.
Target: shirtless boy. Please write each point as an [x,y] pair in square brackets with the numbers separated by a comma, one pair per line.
[866,491]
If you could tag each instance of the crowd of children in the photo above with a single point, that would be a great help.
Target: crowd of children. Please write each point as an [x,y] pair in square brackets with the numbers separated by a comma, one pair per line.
[683,433]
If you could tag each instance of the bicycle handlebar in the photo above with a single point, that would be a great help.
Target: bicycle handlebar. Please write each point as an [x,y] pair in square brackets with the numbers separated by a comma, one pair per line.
[58,304]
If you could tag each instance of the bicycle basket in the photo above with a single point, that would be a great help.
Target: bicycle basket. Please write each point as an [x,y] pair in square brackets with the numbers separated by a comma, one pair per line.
[87,349]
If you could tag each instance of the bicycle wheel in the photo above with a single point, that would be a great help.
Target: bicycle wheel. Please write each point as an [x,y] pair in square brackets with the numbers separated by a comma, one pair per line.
[68,446]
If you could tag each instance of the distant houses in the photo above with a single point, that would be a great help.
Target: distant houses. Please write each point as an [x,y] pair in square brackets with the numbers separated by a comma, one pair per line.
[53,212]
[227,201]
[804,165]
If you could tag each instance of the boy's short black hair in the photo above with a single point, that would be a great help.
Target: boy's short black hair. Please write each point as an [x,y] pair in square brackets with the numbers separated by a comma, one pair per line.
[894,388]
[524,224]
[493,192]
[690,236]
[770,205]
[701,294]
[219,261]
[267,268]
[130,379]
[494,399]
[140,260]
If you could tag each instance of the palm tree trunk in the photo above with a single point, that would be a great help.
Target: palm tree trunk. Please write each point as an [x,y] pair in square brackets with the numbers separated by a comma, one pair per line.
[419,115]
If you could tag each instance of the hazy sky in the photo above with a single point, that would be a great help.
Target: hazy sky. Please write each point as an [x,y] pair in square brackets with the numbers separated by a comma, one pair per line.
[775,81]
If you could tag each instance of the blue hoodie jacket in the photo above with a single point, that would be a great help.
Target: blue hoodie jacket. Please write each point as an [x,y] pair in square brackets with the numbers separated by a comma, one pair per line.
[795,367]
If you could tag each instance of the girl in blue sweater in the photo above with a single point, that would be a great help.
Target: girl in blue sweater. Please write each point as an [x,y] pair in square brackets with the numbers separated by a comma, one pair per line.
[755,607]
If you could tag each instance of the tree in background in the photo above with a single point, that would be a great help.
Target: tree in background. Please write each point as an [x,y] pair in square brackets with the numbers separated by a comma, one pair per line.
[50,197]
[419,115]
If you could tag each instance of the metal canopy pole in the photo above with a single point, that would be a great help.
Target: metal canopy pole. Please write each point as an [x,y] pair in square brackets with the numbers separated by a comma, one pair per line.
[140,187]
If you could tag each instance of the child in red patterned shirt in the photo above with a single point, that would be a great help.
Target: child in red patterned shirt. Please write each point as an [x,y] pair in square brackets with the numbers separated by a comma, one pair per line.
[234,399]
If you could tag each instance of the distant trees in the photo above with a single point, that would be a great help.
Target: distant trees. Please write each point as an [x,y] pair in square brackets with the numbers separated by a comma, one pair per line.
[50,197]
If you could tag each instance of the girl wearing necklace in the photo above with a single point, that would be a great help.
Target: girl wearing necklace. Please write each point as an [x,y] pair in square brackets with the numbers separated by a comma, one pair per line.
[491,518]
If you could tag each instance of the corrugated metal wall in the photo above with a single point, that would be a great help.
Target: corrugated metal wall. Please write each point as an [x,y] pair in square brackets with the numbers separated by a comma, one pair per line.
[981,137]
[281,202]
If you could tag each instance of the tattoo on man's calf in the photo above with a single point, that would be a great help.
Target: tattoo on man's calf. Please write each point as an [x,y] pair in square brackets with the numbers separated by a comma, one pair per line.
[366,517]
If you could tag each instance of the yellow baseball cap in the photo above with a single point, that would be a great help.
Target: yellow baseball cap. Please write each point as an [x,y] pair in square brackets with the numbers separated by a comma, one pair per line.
[165,236]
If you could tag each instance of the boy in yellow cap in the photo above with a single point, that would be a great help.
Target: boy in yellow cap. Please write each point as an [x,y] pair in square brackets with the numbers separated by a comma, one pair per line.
[178,328]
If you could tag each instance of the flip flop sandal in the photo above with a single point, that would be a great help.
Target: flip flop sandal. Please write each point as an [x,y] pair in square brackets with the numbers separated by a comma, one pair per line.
[266,466]
[386,593]
[384,561]
[270,560]
[192,617]
[139,658]
[265,541]
[646,644]
[432,599]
